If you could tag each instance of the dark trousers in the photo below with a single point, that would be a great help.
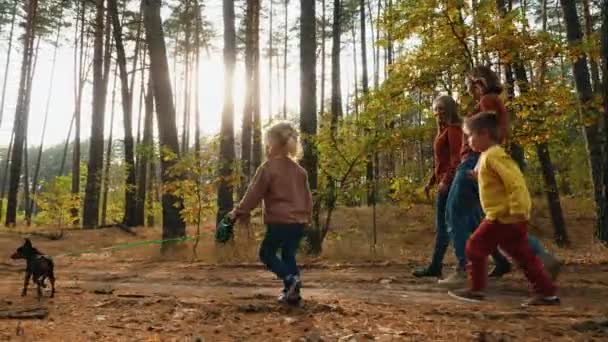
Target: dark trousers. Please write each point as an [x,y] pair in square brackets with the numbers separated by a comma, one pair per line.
[284,237]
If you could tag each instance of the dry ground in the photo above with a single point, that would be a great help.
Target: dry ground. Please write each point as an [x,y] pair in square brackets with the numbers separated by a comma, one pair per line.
[350,293]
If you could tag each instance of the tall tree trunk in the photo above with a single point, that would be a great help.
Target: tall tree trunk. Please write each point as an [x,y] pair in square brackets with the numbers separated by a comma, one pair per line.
[595,73]
[5,171]
[323,56]
[602,232]
[8,61]
[247,124]
[377,64]
[336,91]
[173,224]
[336,94]
[187,44]
[108,164]
[585,94]
[308,111]
[225,201]
[197,76]
[270,57]
[127,109]
[285,46]
[355,73]
[90,217]
[30,206]
[21,112]
[66,145]
[365,85]
[146,155]
[256,153]
[77,114]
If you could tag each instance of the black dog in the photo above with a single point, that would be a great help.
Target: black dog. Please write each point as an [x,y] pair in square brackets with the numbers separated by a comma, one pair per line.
[38,265]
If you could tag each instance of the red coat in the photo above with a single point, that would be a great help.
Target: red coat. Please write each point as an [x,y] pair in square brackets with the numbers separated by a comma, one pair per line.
[446,150]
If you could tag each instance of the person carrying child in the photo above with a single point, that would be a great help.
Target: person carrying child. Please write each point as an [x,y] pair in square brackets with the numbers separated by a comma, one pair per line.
[283,186]
[506,202]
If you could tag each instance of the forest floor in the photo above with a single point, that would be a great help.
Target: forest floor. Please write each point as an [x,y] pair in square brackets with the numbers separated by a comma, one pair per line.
[349,293]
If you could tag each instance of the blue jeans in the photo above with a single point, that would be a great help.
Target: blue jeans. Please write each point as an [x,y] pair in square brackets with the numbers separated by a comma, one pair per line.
[464,214]
[285,237]
[442,238]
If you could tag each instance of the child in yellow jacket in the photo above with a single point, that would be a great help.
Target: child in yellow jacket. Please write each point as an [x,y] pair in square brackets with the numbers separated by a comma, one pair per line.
[506,202]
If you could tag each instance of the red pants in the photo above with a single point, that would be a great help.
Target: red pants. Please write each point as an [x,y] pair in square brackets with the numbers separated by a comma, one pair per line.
[513,240]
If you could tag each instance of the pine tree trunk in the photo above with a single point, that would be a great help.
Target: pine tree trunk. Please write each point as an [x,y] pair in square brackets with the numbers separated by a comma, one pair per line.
[146,155]
[308,112]
[77,115]
[8,61]
[90,216]
[256,153]
[225,201]
[323,57]
[270,57]
[336,96]
[355,73]
[336,92]
[21,113]
[602,232]
[187,43]
[66,145]
[585,94]
[30,206]
[595,73]
[127,109]
[108,164]
[369,174]
[5,172]
[247,123]
[197,76]
[285,46]
[173,224]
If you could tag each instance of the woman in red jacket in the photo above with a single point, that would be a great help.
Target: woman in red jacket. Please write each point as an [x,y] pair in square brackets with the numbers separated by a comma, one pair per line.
[446,158]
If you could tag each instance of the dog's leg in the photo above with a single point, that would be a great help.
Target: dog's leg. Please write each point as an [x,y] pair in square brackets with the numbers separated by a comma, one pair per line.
[39,288]
[25,284]
[52,279]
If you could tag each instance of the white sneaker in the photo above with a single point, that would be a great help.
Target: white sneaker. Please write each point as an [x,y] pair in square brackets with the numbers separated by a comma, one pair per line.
[458,278]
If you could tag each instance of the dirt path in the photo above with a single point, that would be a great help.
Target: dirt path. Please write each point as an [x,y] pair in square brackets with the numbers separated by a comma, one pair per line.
[127,301]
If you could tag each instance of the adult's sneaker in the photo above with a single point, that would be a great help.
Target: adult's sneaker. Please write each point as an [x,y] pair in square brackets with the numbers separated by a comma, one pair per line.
[456,279]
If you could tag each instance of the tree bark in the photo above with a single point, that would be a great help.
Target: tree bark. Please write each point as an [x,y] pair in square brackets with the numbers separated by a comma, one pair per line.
[173,224]
[308,111]
[90,217]
[247,124]
[270,57]
[108,164]
[5,172]
[146,155]
[602,232]
[187,69]
[21,112]
[595,73]
[285,46]
[8,60]
[323,56]
[585,94]
[127,109]
[256,152]
[77,114]
[30,206]
[197,77]
[225,201]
